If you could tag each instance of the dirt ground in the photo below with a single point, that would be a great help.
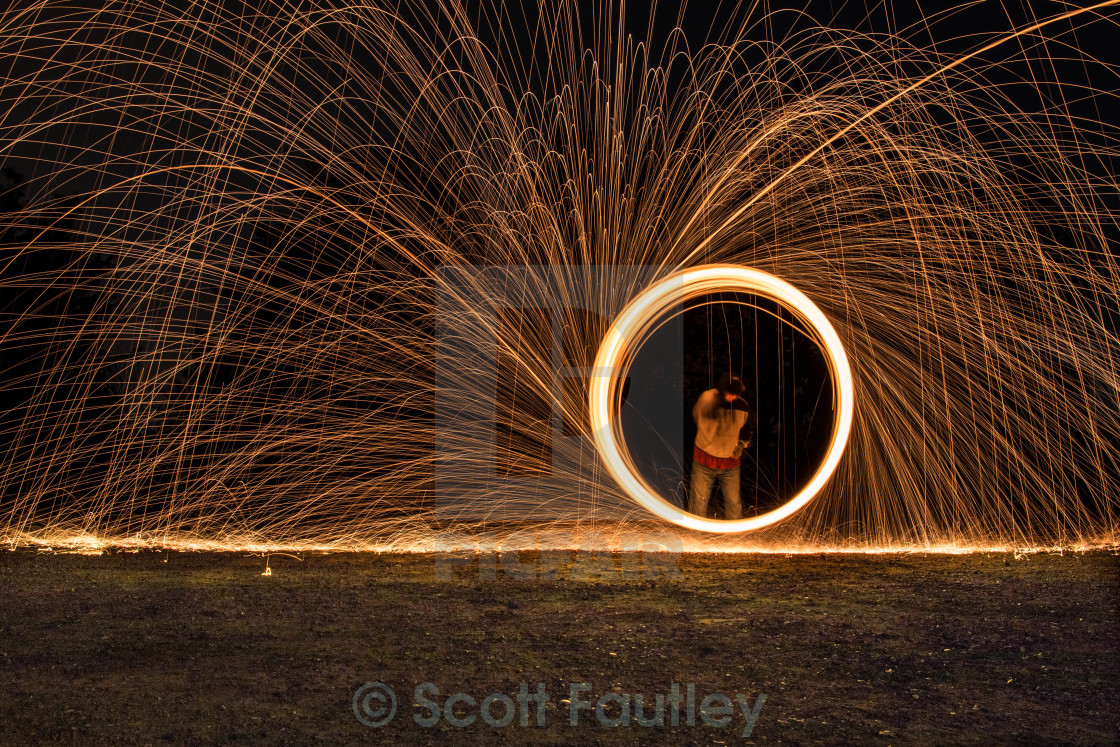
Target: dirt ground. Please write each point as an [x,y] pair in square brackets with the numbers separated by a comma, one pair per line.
[193,648]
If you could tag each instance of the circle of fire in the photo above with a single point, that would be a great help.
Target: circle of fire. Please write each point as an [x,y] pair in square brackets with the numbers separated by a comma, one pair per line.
[631,329]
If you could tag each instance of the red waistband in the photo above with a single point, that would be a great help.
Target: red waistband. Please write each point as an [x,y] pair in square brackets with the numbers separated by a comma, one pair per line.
[711,462]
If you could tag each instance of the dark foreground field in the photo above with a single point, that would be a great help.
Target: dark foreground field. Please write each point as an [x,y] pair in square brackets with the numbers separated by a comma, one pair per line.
[193,648]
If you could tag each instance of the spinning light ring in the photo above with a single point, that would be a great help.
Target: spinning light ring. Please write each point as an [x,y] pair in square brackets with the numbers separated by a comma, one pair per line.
[631,329]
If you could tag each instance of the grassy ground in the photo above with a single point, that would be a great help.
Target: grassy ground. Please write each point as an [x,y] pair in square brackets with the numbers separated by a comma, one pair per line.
[139,648]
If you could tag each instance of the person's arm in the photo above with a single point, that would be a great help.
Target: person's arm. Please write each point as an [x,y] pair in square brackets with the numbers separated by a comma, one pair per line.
[701,409]
[746,433]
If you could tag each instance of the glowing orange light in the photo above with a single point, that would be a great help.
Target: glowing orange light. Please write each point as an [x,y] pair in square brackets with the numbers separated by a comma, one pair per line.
[633,326]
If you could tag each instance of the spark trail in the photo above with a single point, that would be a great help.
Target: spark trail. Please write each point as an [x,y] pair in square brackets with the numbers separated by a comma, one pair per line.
[232,240]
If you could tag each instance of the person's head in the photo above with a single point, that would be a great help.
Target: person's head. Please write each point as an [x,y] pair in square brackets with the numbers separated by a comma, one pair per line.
[730,387]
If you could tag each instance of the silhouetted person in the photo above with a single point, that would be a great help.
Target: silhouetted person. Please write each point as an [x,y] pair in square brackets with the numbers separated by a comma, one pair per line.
[724,427]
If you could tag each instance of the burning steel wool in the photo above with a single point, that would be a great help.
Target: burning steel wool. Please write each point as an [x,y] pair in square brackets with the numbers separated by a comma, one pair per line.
[363,276]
